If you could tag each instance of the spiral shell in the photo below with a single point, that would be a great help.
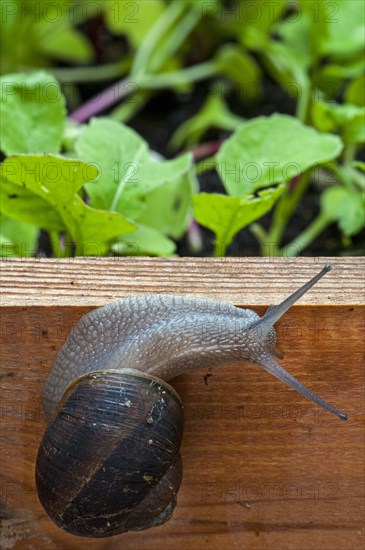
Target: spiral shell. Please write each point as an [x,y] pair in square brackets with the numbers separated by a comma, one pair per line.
[109,460]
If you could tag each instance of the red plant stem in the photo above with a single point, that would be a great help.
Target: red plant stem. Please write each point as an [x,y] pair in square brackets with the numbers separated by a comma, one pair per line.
[294,182]
[105,99]
[205,150]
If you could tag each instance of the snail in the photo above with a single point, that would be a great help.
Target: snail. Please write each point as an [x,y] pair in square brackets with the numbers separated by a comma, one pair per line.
[109,460]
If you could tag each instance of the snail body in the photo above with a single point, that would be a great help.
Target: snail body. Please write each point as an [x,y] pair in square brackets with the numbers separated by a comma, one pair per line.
[161,335]
[109,461]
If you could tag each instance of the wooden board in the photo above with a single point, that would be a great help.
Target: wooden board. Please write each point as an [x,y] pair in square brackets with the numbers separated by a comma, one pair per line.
[263,467]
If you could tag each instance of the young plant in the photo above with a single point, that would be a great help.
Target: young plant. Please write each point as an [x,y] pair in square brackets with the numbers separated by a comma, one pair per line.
[99,182]
[255,165]
[87,198]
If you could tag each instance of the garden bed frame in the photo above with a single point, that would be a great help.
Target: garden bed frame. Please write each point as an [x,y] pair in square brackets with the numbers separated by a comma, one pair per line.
[263,466]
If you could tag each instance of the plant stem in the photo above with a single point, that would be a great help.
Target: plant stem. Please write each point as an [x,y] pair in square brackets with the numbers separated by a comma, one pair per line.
[79,248]
[170,15]
[205,165]
[206,151]
[356,177]
[176,78]
[349,154]
[285,208]
[54,238]
[259,232]
[127,86]
[68,245]
[303,103]
[168,45]
[102,101]
[296,247]
[220,249]
[91,74]
[130,106]
[194,237]
[179,24]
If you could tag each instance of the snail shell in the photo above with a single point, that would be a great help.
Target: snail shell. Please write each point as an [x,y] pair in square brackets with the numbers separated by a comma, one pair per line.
[119,468]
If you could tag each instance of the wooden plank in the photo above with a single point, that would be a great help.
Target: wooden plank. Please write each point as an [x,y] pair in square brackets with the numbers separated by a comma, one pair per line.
[263,467]
[255,281]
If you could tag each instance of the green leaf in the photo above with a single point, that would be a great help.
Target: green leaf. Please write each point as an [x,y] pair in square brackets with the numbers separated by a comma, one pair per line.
[359,164]
[144,242]
[289,58]
[225,216]
[43,190]
[347,119]
[236,64]
[32,111]
[132,18]
[67,44]
[268,150]
[318,16]
[346,28]
[167,208]
[351,68]
[346,206]
[355,92]
[294,47]
[165,37]
[330,77]
[214,113]
[127,171]
[259,20]
[32,32]
[17,238]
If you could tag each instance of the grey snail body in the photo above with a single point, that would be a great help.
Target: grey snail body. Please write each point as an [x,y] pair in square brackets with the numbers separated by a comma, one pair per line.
[163,335]
[108,383]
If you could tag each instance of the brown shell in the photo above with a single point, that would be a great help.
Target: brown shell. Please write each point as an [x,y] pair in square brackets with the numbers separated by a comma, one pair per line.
[109,461]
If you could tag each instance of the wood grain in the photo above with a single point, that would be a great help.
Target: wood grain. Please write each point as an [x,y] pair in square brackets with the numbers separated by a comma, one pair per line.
[255,281]
[263,467]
